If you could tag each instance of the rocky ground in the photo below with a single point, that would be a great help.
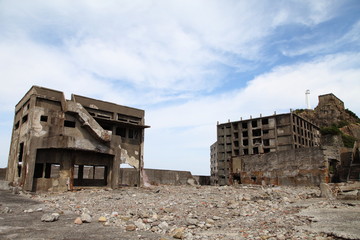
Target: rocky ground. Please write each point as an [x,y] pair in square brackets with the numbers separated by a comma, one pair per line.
[179,212]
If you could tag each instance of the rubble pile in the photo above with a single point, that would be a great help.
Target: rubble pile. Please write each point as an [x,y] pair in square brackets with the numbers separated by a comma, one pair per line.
[188,212]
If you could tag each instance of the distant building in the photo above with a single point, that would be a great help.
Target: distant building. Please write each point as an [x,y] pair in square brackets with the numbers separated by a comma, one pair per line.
[59,144]
[270,134]
[214,164]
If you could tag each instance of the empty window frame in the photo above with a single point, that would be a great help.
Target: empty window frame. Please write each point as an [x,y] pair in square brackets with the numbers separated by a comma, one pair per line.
[256,132]
[24,118]
[133,133]
[120,131]
[70,124]
[39,170]
[265,121]
[17,124]
[254,123]
[43,118]
[246,151]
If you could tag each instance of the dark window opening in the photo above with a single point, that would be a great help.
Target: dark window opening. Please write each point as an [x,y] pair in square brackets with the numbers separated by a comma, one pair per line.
[133,134]
[235,127]
[21,151]
[70,124]
[253,178]
[245,134]
[265,121]
[236,152]
[86,175]
[39,168]
[266,150]
[265,132]
[106,127]
[24,119]
[52,170]
[245,142]
[92,114]
[246,151]
[43,118]
[254,124]
[257,141]
[236,143]
[17,124]
[120,132]
[19,170]
[256,132]
[244,125]
[236,135]
[255,150]
[266,142]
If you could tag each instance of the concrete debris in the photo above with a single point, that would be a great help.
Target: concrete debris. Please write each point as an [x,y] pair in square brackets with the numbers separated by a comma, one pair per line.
[86,218]
[50,217]
[208,212]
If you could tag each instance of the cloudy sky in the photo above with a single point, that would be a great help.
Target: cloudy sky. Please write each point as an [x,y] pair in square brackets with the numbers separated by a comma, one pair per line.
[189,63]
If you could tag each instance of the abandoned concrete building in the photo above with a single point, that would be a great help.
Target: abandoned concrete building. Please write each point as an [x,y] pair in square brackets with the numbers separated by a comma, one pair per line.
[240,140]
[59,144]
[288,149]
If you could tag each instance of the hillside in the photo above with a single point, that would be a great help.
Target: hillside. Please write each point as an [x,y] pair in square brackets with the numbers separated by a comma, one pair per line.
[334,119]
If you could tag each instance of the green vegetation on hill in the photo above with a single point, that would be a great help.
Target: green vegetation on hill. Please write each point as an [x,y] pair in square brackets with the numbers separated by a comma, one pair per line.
[334,130]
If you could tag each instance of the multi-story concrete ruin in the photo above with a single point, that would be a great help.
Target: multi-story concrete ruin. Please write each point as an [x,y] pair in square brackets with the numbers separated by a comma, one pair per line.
[238,140]
[59,144]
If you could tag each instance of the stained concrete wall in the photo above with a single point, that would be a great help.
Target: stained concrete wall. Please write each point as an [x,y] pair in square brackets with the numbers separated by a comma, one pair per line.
[154,177]
[306,166]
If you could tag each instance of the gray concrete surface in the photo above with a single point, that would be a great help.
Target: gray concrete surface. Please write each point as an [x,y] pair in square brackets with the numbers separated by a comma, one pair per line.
[339,222]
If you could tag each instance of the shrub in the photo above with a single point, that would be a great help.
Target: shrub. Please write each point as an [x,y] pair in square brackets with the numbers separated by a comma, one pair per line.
[333,130]
[348,140]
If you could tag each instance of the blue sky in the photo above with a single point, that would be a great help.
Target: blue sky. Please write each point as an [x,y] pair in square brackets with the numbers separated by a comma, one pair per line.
[189,64]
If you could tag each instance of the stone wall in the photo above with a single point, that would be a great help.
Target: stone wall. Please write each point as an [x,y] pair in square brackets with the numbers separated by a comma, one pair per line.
[305,166]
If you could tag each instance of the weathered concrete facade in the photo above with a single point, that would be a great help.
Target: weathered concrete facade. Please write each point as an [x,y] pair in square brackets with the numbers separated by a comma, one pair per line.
[55,139]
[258,136]
[304,166]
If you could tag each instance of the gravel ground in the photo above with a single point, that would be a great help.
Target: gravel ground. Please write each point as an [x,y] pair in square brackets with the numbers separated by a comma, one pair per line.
[171,212]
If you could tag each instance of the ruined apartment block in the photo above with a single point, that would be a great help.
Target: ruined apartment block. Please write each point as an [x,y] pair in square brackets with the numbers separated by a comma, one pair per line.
[259,136]
[59,144]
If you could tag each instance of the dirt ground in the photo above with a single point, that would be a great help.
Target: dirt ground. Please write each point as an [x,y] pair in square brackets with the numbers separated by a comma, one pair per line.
[180,212]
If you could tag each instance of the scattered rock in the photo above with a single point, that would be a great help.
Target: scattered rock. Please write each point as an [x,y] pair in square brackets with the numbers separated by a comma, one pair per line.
[130,227]
[86,218]
[178,233]
[78,221]
[50,217]
[102,219]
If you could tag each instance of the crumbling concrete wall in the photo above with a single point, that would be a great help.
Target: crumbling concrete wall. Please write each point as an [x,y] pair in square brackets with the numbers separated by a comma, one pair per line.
[306,166]
[128,177]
